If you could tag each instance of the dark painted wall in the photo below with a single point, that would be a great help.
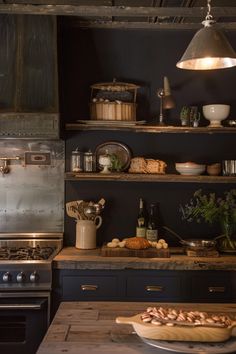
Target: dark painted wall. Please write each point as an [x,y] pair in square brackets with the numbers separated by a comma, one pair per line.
[144,57]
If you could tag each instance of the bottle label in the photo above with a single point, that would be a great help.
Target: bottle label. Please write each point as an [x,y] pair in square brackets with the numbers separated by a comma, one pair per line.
[141,222]
[140,232]
[152,235]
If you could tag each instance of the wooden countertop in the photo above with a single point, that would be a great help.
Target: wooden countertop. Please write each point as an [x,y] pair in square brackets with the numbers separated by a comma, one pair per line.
[89,327]
[72,258]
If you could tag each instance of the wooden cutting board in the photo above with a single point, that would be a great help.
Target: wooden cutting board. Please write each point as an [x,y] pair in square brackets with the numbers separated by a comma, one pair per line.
[125,252]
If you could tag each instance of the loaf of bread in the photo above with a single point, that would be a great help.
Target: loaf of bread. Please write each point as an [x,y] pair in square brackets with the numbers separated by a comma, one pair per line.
[137,243]
[142,165]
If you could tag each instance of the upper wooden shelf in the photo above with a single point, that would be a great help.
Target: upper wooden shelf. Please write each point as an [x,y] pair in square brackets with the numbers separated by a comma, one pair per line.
[150,128]
[136,177]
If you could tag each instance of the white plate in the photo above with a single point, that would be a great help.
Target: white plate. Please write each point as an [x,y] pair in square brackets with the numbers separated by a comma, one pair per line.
[194,347]
[112,122]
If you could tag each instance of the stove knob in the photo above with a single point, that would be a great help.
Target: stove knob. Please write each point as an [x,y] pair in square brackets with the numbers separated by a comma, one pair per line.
[34,277]
[20,277]
[6,277]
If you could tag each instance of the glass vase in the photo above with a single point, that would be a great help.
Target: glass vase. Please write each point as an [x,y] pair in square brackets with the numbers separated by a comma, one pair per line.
[227,243]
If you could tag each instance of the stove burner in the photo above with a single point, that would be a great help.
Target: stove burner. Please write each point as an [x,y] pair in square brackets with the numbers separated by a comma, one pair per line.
[26,253]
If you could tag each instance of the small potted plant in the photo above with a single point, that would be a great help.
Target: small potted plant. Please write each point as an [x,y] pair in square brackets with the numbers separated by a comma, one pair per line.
[210,209]
[184,115]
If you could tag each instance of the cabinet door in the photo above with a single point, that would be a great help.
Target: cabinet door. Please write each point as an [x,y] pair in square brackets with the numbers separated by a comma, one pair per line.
[166,288]
[212,287]
[89,287]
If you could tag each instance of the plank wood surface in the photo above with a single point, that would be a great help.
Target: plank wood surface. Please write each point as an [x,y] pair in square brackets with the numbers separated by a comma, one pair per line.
[90,327]
[125,252]
[73,258]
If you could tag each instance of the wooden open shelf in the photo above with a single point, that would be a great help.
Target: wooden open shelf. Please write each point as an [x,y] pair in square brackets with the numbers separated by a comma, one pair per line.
[146,128]
[136,177]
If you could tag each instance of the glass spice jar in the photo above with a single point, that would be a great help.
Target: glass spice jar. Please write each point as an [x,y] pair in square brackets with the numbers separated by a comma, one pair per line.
[89,162]
[76,161]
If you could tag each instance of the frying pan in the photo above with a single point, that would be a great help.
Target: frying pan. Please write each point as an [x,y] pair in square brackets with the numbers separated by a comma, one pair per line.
[194,244]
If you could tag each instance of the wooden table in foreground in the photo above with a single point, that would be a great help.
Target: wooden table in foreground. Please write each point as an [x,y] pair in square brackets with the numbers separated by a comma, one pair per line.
[89,327]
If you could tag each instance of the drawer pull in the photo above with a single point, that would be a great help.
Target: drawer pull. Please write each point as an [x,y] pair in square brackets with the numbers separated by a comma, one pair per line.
[216,289]
[154,288]
[89,287]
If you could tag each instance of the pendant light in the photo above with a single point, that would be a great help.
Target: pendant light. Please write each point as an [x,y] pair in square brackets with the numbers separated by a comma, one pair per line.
[209,49]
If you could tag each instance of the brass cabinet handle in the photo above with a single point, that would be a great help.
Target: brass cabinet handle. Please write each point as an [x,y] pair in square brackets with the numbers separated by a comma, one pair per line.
[89,287]
[216,289]
[154,288]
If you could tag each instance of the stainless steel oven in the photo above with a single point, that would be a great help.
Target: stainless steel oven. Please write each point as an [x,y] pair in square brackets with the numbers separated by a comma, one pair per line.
[25,289]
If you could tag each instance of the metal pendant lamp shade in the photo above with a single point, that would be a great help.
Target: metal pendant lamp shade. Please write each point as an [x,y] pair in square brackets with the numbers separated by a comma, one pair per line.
[208,50]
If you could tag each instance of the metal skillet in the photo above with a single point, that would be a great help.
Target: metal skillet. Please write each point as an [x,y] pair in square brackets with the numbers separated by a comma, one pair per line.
[194,244]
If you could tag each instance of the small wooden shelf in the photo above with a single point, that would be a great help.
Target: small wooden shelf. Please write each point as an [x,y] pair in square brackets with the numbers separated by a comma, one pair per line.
[150,128]
[136,177]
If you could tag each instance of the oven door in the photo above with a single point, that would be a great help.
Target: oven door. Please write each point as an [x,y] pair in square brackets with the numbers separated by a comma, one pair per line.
[24,319]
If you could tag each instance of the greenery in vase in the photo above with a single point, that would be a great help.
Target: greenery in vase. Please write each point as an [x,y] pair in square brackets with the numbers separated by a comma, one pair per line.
[210,209]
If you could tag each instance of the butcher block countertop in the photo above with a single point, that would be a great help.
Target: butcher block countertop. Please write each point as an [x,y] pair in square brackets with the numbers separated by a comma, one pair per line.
[73,258]
[90,327]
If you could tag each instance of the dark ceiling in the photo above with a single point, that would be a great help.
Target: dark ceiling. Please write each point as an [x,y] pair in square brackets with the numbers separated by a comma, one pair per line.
[169,14]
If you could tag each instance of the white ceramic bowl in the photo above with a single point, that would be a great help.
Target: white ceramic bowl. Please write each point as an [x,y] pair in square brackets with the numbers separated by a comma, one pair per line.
[190,168]
[215,113]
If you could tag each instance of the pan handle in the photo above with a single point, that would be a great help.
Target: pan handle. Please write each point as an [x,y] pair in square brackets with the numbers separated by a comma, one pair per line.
[175,234]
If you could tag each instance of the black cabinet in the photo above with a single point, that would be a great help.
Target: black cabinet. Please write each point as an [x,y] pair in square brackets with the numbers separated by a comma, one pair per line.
[154,286]
[212,286]
[143,285]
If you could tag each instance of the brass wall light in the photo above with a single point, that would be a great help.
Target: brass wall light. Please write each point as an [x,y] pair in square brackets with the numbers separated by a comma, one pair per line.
[209,49]
[166,100]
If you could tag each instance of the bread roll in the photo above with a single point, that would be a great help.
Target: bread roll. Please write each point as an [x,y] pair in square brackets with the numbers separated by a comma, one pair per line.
[137,243]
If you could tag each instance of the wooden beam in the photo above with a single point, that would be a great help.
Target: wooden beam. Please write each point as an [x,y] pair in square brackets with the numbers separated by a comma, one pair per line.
[143,25]
[115,11]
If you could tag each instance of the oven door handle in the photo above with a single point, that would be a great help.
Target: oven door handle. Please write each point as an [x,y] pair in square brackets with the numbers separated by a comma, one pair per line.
[20,306]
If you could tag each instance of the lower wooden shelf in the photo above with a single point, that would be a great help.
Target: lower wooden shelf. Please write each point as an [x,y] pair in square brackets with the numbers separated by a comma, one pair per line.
[139,177]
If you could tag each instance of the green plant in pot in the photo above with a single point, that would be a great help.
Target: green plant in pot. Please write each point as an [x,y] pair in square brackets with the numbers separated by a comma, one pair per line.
[212,209]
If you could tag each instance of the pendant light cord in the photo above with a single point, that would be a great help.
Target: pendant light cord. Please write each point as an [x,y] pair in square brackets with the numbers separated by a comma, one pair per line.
[209,15]
[209,18]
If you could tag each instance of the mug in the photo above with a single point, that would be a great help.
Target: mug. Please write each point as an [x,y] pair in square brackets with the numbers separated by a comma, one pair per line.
[229,167]
[86,233]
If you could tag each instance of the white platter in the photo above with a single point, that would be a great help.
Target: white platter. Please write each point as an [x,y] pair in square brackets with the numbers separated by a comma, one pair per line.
[194,347]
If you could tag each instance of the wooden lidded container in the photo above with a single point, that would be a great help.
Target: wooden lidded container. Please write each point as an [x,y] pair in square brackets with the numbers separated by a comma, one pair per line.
[113,101]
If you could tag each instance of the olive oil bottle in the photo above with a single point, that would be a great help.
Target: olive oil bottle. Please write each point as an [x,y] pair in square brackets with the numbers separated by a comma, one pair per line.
[141,220]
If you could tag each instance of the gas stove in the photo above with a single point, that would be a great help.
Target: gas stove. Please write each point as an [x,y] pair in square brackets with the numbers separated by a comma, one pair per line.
[26,260]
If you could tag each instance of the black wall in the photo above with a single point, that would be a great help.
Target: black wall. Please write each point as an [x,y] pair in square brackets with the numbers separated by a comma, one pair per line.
[144,57]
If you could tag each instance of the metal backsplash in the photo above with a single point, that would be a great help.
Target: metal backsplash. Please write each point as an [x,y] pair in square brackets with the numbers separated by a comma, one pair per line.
[32,193]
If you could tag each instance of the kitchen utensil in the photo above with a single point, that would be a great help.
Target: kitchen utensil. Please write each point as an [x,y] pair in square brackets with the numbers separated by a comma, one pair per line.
[86,233]
[203,333]
[194,244]
[190,168]
[90,212]
[72,210]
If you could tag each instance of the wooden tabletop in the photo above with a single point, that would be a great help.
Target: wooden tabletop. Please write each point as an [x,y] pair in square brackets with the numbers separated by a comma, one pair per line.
[73,258]
[90,328]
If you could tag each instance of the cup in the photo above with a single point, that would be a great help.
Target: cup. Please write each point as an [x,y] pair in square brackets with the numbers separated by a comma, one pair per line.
[214,169]
[229,167]
[86,233]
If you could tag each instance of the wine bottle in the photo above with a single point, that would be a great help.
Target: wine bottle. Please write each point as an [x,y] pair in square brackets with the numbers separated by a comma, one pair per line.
[141,220]
[152,224]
